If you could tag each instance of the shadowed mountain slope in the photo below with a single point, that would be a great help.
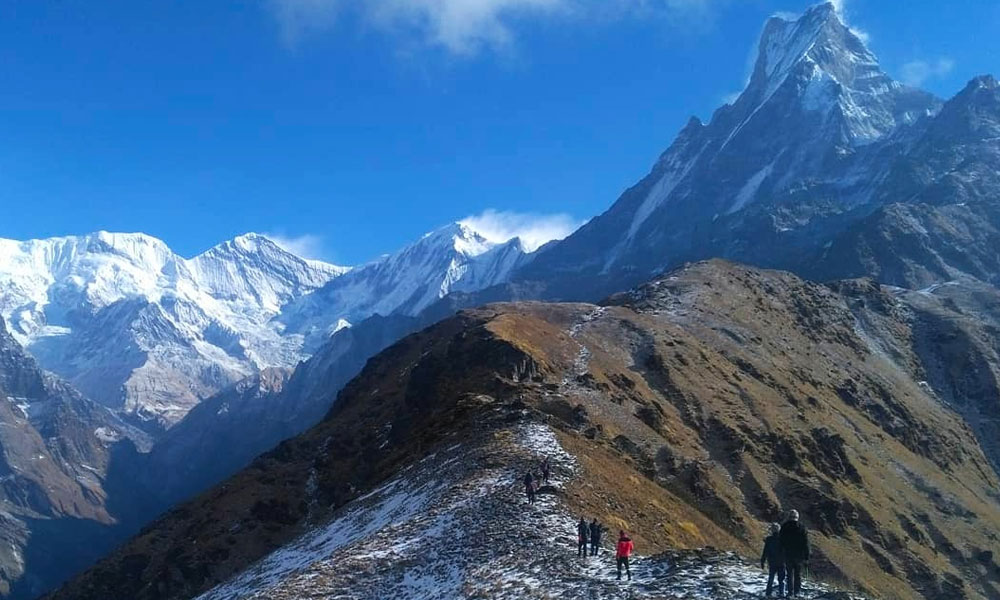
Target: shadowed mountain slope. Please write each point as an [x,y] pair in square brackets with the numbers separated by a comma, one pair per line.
[56,487]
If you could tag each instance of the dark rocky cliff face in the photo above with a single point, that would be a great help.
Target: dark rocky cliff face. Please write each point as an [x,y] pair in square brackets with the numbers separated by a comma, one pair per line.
[723,394]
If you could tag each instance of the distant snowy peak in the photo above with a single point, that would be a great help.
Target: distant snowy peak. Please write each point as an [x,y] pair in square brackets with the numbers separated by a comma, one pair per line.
[453,258]
[256,247]
[148,332]
[819,36]
[826,65]
[817,129]
[254,266]
[142,329]
[458,237]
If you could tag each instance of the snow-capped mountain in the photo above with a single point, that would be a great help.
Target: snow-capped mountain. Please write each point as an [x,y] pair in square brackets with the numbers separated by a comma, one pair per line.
[804,150]
[143,330]
[455,258]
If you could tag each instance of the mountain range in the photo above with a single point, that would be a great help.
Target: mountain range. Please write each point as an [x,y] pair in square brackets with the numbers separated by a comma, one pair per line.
[149,334]
[721,393]
[691,411]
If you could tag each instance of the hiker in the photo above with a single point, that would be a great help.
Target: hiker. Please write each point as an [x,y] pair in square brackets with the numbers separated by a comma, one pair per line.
[622,553]
[545,470]
[595,536]
[582,535]
[529,487]
[795,546]
[775,559]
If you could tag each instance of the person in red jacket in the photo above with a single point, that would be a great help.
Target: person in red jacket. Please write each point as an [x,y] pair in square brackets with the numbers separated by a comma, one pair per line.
[623,552]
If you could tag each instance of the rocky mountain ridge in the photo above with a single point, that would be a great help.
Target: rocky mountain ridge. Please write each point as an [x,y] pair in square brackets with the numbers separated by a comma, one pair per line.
[696,408]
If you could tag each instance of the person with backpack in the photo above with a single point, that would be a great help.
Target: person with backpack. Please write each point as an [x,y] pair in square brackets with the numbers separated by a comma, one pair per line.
[775,560]
[595,536]
[622,553]
[582,535]
[795,547]
[529,487]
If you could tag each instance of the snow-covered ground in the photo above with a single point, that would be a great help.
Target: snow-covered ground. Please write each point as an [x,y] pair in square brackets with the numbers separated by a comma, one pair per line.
[457,525]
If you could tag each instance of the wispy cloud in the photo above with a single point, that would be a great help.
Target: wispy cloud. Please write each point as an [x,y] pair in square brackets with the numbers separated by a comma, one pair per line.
[533,229]
[918,72]
[306,246]
[841,7]
[461,27]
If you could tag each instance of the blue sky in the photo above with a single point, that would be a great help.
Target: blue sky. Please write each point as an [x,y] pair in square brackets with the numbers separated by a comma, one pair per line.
[350,128]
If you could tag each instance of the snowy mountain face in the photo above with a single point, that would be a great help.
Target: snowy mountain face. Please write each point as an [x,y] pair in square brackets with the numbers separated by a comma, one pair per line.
[452,259]
[807,148]
[145,331]
[149,333]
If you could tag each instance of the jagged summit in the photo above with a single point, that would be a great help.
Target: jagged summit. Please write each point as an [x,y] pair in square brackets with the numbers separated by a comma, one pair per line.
[818,36]
[801,152]
[142,329]
[827,66]
[145,330]
[453,258]
[459,237]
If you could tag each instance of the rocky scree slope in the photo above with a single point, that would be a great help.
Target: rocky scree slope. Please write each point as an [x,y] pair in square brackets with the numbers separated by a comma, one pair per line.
[695,409]
[956,338]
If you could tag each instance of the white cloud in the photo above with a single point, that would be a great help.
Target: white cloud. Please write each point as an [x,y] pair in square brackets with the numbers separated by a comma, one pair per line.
[917,72]
[533,229]
[306,246]
[297,18]
[461,27]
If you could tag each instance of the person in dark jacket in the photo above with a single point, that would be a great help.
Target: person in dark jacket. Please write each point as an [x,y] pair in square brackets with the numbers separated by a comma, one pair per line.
[795,546]
[622,553]
[546,470]
[529,487]
[582,535]
[595,537]
[775,560]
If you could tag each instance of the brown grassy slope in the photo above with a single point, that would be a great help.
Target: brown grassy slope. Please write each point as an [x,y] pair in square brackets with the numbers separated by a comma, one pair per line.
[699,407]
[747,392]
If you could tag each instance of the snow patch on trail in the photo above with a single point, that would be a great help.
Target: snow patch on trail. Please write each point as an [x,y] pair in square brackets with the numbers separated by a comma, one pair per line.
[390,504]
[581,364]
